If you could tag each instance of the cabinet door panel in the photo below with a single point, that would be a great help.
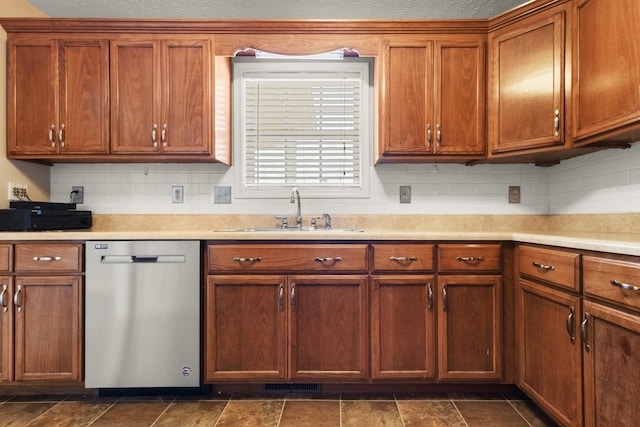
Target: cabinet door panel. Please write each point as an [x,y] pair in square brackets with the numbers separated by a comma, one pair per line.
[48,328]
[607,66]
[328,327]
[549,358]
[459,98]
[403,327]
[32,97]
[84,96]
[135,91]
[408,97]
[245,327]
[611,367]
[469,327]
[187,97]
[528,86]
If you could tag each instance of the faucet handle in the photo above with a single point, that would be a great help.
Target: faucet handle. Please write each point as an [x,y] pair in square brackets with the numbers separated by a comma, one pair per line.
[327,221]
[314,224]
[285,222]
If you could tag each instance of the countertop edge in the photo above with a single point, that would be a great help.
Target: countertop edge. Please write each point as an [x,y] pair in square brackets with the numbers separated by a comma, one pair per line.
[620,243]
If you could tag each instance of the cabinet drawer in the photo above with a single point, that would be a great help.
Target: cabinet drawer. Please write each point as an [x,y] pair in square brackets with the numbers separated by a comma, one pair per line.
[550,265]
[402,257]
[469,257]
[288,258]
[614,280]
[46,257]
[5,258]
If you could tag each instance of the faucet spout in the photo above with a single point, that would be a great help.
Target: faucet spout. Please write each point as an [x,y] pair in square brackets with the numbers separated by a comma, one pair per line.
[295,195]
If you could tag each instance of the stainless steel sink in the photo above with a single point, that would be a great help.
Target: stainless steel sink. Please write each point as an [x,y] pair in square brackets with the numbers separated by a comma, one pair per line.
[293,229]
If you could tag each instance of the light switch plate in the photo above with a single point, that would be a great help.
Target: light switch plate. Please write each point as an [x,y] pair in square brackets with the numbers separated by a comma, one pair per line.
[221,195]
[514,194]
[405,194]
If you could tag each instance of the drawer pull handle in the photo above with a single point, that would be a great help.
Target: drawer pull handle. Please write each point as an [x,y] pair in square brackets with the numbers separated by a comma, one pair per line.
[4,304]
[625,286]
[430,297]
[330,259]
[570,328]
[47,258]
[403,259]
[16,299]
[583,332]
[238,259]
[543,266]
[470,259]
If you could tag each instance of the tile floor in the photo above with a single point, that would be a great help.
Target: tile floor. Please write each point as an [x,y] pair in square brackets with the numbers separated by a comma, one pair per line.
[285,410]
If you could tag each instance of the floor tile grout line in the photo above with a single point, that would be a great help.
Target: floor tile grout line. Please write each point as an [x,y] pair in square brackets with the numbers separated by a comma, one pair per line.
[44,412]
[519,413]
[222,412]
[164,411]
[464,420]
[103,412]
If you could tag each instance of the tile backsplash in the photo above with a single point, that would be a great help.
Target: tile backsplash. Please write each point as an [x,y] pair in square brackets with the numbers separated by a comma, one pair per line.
[604,182]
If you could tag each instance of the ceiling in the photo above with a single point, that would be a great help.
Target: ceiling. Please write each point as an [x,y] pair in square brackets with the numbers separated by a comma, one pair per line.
[276,9]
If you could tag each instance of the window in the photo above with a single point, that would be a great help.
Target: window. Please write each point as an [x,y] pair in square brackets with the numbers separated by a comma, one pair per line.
[304,124]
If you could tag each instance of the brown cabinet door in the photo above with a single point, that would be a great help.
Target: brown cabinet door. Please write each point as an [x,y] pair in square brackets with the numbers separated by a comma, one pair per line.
[48,328]
[32,102]
[606,67]
[469,327]
[135,96]
[84,97]
[6,329]
[549,350]
[328,327]
[611,358]
[244,327]
[526,104]
[402,327]
[459,98]
[407,100]
[186,97]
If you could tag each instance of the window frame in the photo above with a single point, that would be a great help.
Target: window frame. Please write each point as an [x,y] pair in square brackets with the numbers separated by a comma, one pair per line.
[249,65]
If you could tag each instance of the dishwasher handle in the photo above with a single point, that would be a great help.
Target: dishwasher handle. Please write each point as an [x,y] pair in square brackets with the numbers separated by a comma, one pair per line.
[139,259]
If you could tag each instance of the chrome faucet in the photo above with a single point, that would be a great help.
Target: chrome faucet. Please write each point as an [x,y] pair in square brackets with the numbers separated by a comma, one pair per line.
[295,194]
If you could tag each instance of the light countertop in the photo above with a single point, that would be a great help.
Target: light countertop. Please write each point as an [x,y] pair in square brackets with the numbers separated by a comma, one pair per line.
[615,234]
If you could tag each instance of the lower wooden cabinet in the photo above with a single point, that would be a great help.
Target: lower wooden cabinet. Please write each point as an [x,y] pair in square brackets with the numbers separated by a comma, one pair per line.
[470,327]
[41,315]
[48,328]
[611,351]
[245,327]
[403,332]
[273,327]
[549,348]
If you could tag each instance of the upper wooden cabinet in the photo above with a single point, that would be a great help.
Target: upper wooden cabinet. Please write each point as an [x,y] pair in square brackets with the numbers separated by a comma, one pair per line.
[526,107]
[606,78]
[432,99]
[58,97]
[161,94]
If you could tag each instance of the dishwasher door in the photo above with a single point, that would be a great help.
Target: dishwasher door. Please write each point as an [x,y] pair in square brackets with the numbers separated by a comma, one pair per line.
[142,314]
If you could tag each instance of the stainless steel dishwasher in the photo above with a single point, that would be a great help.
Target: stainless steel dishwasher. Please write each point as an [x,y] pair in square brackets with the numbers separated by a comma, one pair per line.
[142,314]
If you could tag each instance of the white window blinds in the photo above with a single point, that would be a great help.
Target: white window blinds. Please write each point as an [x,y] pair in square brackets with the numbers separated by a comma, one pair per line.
[303,127]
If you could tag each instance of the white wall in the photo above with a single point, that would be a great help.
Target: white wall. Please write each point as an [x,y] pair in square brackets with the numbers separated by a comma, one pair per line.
[604,182]
[35,176]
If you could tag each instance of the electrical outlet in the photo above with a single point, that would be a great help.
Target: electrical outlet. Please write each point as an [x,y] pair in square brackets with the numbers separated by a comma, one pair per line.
[77,194]
[514,194]
[177,194]
[221,195]
[18,192]
[405,194]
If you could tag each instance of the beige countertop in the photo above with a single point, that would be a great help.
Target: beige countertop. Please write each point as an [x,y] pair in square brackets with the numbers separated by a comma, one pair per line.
[615,234]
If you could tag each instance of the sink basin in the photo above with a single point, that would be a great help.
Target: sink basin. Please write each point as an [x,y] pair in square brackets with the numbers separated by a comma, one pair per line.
[292,229]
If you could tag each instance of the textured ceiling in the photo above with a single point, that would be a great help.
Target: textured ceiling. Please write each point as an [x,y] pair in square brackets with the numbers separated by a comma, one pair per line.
[275,9]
